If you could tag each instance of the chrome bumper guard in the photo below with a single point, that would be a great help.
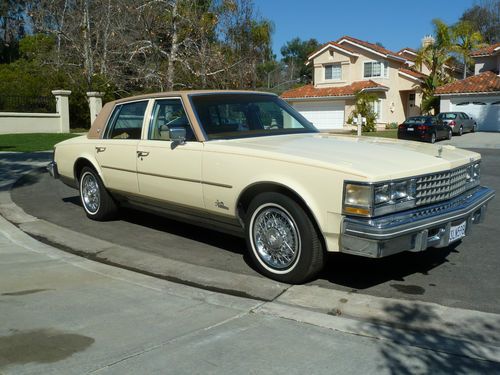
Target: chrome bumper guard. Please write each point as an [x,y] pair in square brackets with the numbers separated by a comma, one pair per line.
[414,230]
[52,168]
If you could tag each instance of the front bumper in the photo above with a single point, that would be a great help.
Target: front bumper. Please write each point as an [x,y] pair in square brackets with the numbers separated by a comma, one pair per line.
[416,229]
[52,168]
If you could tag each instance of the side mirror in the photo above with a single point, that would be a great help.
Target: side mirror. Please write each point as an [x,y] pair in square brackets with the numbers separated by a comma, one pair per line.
[177,136]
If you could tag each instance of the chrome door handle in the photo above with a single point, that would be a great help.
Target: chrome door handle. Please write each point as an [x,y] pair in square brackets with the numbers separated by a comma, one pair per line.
[100,149]
[142,153]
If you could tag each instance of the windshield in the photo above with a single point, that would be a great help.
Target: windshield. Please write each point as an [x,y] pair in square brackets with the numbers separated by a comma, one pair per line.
[234,115]
[447,116]
[416,120]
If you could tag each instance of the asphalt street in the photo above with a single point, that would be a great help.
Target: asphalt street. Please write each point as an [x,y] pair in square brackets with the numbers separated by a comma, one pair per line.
[464,275]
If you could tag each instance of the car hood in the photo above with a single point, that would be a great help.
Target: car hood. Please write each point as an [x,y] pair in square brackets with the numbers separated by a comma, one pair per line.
[371,158]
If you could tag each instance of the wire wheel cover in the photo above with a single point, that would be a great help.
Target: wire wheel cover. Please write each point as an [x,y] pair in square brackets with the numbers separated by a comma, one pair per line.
[91,197]
[276,238]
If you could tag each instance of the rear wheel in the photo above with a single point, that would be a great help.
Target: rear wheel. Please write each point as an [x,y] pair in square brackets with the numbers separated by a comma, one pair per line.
[97,202]
[283,242]
[433,138]
[450,134]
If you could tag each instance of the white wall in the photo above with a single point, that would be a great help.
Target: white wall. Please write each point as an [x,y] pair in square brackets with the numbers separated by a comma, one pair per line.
[17,122]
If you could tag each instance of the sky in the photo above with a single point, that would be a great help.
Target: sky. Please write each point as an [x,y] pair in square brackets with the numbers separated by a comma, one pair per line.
[394,23]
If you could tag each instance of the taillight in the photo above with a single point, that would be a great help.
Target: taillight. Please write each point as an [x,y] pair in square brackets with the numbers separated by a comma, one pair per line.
[421,127]
[452,123]
[401,126]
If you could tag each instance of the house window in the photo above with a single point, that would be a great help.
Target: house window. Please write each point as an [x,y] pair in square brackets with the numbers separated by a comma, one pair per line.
[333,72]
[374,69]
[377,108]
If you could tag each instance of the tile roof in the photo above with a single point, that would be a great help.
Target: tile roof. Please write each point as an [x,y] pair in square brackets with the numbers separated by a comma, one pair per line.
[372,46]
[408,56]
[309,91]
[413,73]
[484,82]
[486,51]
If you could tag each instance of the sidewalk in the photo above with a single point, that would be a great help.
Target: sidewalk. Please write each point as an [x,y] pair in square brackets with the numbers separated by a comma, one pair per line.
[62,314]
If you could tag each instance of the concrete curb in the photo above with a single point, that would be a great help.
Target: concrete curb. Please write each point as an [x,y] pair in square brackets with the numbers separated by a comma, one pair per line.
[413,315]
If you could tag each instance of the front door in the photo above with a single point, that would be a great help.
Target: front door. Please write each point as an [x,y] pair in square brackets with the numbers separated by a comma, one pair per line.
[413,110]
[170,173]
[116,153]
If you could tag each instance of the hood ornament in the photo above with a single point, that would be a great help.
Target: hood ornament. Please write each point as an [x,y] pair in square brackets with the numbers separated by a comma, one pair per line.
[440,151]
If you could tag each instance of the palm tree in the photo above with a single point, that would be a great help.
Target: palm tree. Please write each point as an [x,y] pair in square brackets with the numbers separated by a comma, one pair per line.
[466,39]
[434,53]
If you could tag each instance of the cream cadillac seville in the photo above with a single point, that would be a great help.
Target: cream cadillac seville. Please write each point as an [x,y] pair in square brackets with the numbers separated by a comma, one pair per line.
[249,164]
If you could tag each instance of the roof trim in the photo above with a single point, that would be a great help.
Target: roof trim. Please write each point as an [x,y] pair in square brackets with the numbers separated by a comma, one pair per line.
[328,46]
[408,51]
[362,47]
[410,76]
[378,88]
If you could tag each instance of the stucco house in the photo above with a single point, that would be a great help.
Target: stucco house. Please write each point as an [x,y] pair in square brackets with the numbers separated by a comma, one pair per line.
[348,65]
[478,95]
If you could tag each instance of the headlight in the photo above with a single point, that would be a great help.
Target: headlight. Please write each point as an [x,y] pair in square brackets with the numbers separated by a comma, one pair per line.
[378,199]
[358,199]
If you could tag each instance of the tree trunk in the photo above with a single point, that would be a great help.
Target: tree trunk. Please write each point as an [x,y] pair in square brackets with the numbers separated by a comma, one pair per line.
[173,50]
[88,62]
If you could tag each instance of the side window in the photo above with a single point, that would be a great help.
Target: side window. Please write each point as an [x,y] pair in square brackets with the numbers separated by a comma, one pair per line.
[126,121]
[168,113]
[464,116]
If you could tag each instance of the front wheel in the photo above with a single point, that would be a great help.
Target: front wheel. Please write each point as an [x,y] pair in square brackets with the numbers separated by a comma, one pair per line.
[97,202]
[460,131]
[433,138]
[473,130]
[282,240]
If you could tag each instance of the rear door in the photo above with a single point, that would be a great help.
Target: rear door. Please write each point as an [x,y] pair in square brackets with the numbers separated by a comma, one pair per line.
[116,152]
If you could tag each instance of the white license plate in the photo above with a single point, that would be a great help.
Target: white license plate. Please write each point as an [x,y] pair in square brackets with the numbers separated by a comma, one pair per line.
[457,231]
[410,129]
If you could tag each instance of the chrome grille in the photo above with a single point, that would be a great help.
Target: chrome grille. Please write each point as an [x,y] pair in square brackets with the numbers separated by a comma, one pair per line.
[441,186]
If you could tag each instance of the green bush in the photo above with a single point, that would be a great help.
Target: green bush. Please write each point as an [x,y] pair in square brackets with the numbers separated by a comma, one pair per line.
[364,107]
[392,125]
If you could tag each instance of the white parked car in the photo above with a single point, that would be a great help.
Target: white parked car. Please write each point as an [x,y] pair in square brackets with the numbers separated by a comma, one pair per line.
[247,163]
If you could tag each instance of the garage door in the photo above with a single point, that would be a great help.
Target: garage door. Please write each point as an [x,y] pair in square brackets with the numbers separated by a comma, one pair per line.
[324,115]
[484,110]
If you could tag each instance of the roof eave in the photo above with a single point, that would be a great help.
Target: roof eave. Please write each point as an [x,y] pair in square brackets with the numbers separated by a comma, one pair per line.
[470,93]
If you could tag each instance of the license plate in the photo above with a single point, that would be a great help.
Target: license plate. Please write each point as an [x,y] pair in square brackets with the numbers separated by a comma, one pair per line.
[410,129]
[457,231]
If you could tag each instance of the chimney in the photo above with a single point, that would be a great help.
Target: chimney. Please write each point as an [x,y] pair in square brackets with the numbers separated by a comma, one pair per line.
[427,41]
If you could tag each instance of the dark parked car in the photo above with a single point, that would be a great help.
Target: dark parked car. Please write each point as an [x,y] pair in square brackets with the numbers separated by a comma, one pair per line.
[424,128]
[459,122]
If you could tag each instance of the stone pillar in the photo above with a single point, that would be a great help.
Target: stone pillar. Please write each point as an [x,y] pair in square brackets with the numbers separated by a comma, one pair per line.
[62,107]
[95,104]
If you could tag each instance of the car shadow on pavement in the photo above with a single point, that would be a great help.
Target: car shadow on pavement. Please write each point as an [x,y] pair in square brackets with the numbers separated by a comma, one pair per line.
[361,273]
[210,237]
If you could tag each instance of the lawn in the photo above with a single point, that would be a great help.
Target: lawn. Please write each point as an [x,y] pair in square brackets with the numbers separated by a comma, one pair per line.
[393,133]
[31,142]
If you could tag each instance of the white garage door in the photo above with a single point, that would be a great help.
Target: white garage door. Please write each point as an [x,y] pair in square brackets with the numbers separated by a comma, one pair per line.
[324,115]
[485,110]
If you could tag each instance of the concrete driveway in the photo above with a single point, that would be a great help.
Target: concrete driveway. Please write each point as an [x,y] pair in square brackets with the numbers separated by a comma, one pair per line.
[475,140]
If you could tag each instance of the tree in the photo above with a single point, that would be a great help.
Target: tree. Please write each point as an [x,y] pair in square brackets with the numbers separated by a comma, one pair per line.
[295,53]
[485,18]
[12,28]
[364,106]
[466,39]
[435,54]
